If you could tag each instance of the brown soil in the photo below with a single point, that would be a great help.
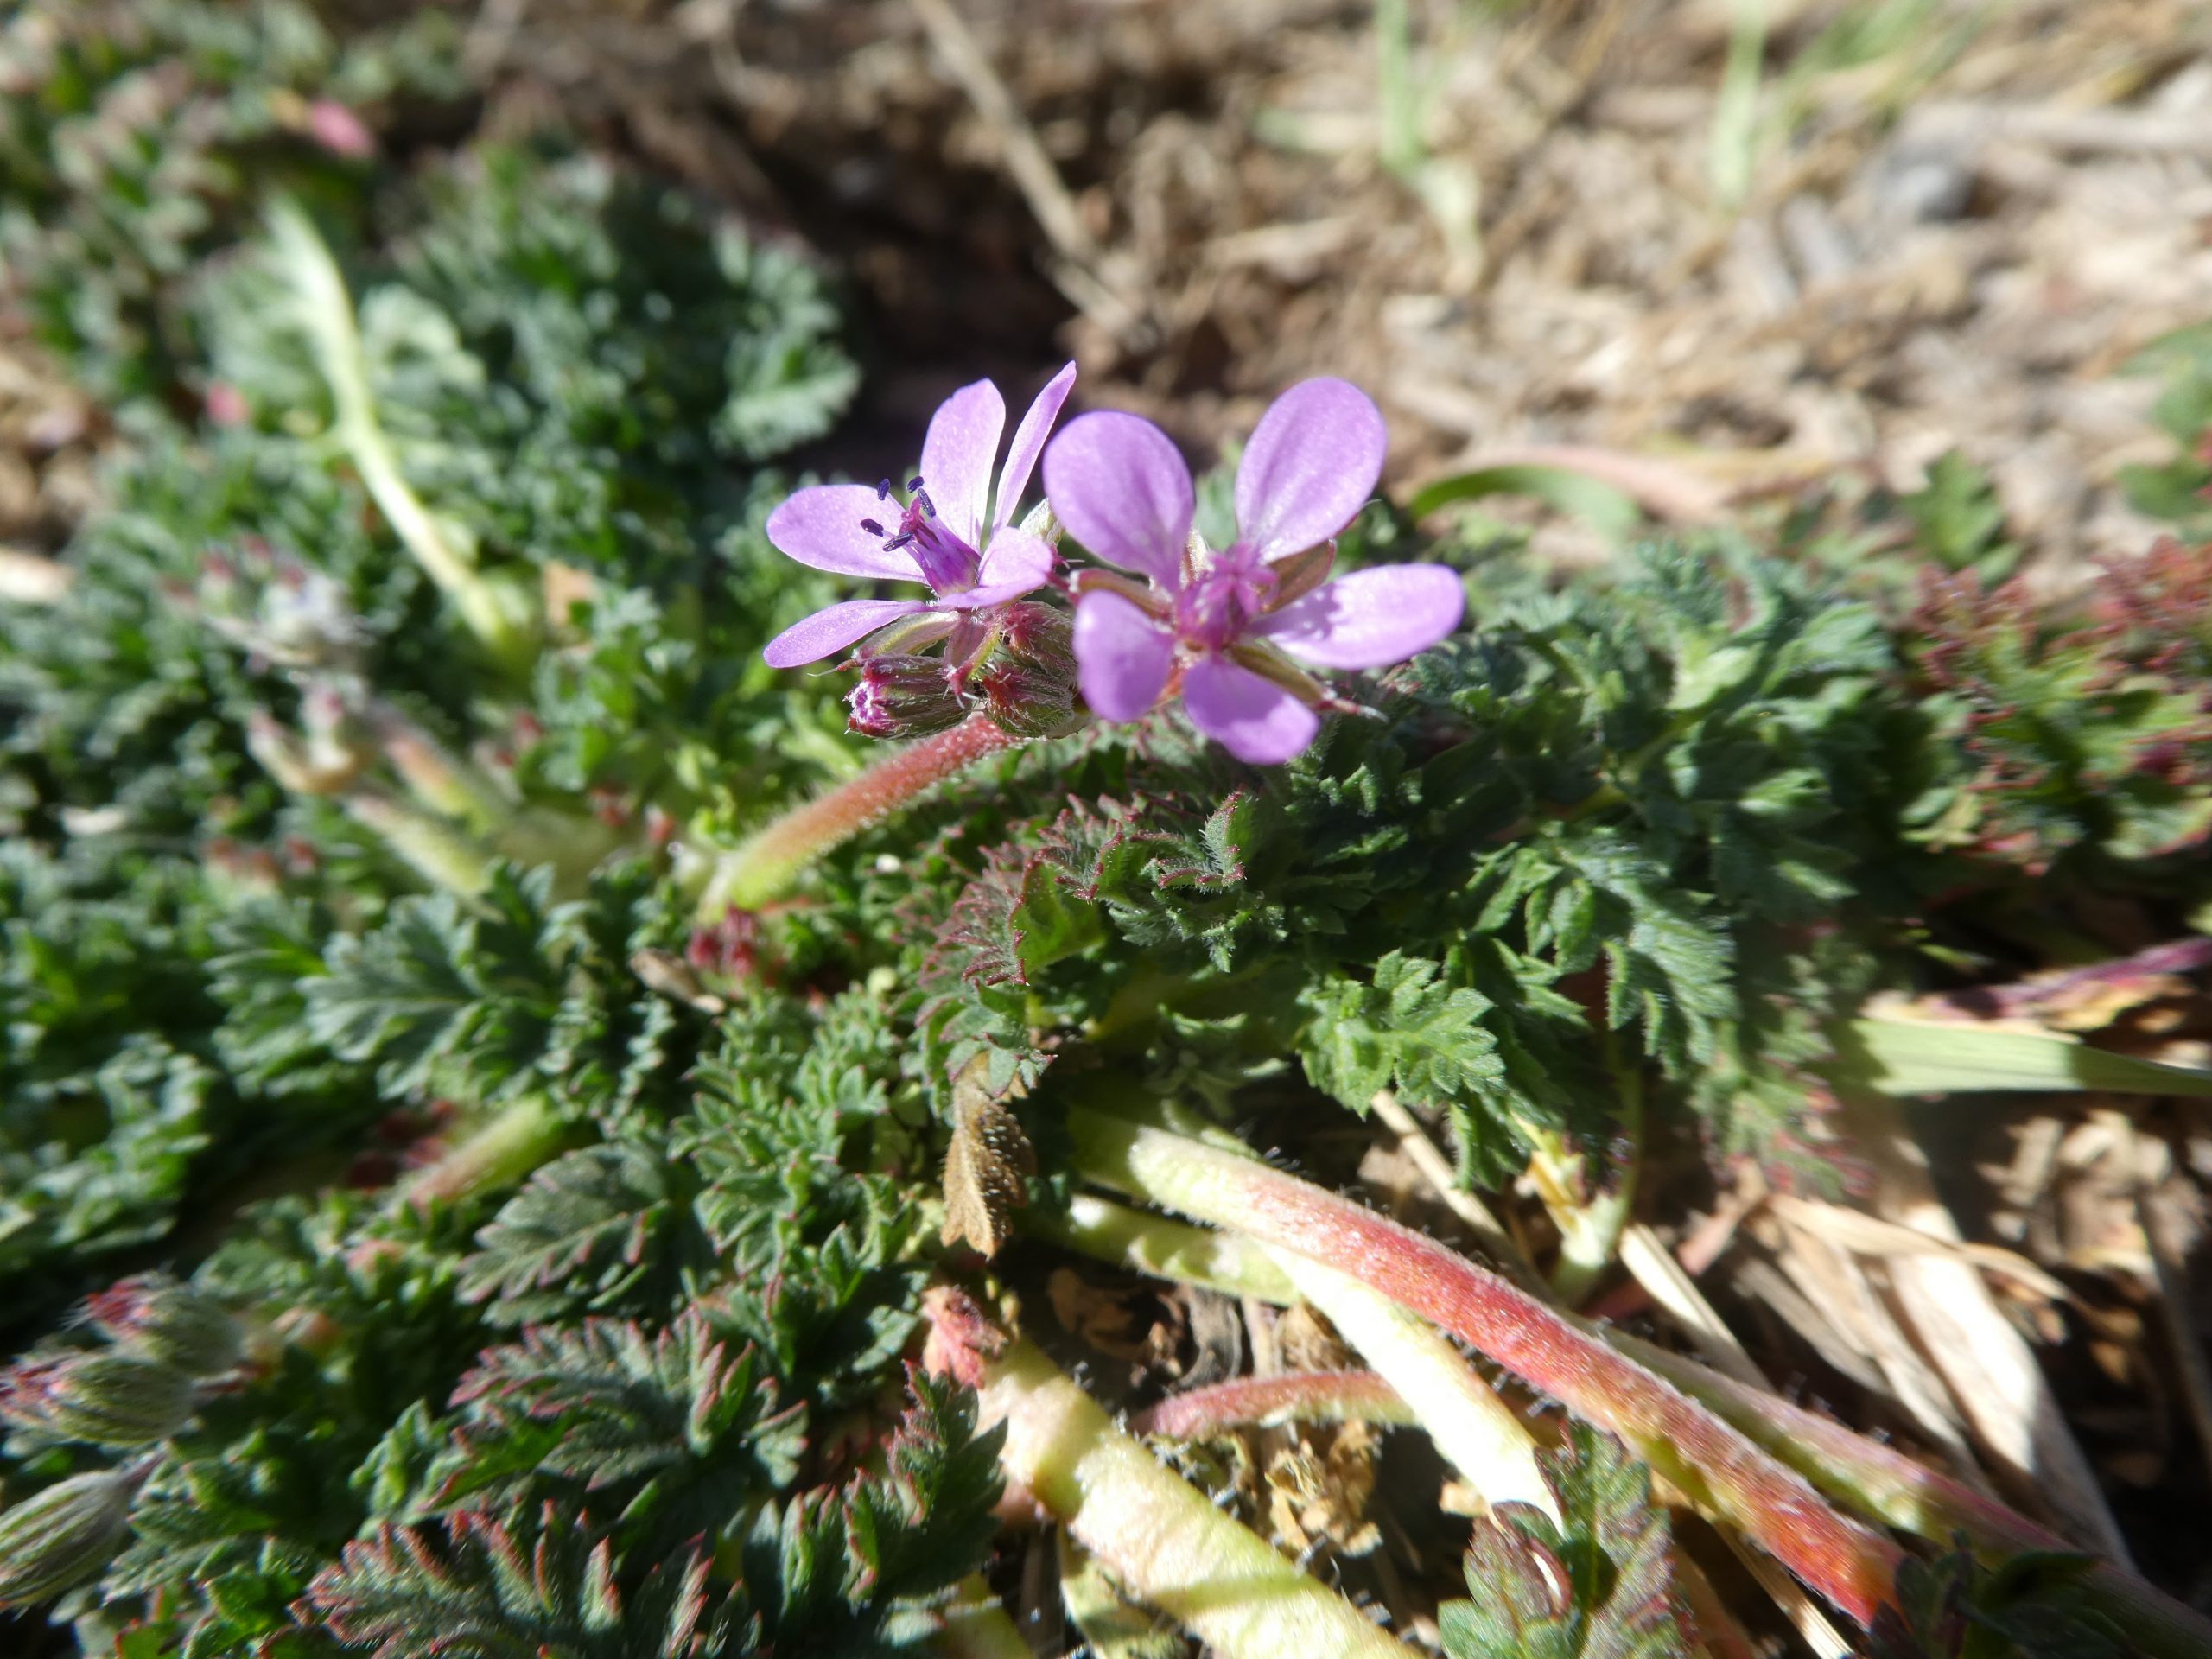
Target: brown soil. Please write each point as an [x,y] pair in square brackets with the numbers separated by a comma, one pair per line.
[1952,236]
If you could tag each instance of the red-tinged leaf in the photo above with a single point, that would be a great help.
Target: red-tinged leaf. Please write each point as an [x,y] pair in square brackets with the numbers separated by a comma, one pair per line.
[1599,1585]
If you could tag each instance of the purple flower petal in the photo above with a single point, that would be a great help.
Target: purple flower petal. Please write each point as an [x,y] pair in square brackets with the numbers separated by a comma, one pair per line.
[957,455]
[1014,564]
[831,630]
[1313,462]
[821,526]
[1119,484]
[1252,717]
[1371,618]
[1121,656]
[1029,443]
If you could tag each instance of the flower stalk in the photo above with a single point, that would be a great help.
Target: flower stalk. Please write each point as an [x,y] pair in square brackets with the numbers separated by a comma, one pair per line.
[764,867]
[499,1155]
[326,316]
[1162,1541]
[1712,1463]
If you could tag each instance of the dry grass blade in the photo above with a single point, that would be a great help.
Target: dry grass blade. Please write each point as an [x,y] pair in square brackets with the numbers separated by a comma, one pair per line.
[1866,1235]
[2010,1410]
[1812,1626]
[1664,1279]
[1834,1279]
[1761,1281]
[2159,1207]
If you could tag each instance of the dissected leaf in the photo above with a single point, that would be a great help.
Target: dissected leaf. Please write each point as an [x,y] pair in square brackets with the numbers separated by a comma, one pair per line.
[1598,1582]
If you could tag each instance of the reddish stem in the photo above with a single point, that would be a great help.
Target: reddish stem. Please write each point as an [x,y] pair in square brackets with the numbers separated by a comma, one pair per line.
[1881,1480]
[764,866]
[1306,1396]
[1852,1566]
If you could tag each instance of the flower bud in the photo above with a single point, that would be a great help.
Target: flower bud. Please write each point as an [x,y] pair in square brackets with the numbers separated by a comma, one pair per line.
[435,777]
[320,766]
[157,1319]
[1041,635]
[55,1540]
[336,752]
[902,697]
[1028,702]
[107,1398]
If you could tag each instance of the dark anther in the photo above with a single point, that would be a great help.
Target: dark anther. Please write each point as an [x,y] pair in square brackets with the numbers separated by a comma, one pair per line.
[897,542]
[913,484]
[871,526]
[883,489]
[923,501]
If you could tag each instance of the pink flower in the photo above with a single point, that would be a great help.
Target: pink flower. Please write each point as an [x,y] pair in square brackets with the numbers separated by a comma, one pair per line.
[950,533]
[1220,624]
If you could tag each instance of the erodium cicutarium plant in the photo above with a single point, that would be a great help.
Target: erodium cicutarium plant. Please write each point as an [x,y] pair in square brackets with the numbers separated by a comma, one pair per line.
[543,1166]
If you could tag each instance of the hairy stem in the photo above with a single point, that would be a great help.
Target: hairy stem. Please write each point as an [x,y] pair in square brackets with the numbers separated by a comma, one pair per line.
[1166,1249]
[1882,1482]
[976,1626]
[1293,1397]
[765,866]
[1158,1536]
[499,1155]
[438,852]
[1865,1476]
[1478,1433]
[1687,1445]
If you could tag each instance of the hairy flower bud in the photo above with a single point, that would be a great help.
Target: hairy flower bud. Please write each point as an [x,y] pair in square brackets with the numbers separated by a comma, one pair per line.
[169,1324]
[108,1399]
[55,1540]
[1042,636]
[1028,702]
[902,697]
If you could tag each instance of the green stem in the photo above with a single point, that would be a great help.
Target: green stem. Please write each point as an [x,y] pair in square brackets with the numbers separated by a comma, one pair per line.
[327,314]
[765,866]
[1400,146]
[1164,1248]
[499,1155]
[1713,1464]
[976,1626]
[1589,1228]
[438,852]
[438,779]
[1733,151]
[1159,1537]
[1478,1433]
